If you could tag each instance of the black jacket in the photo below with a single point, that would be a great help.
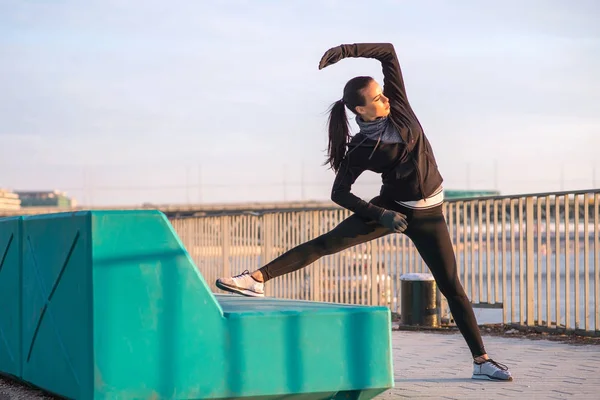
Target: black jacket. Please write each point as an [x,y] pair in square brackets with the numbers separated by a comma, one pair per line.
[409,170]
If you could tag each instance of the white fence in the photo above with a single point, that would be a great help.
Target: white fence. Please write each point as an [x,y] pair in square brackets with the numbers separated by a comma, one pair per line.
[534,258]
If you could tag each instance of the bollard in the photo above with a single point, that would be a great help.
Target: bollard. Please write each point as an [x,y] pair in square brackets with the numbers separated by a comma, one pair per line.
[420,300]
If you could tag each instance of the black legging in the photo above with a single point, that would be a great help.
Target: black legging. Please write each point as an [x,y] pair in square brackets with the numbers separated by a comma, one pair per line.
[428,231]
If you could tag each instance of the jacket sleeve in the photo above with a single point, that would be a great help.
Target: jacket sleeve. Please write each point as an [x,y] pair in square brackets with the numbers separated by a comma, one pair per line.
[341,192]
[393,82]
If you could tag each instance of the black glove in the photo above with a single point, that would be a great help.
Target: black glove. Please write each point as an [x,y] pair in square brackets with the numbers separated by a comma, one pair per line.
[394,221]
[331,56]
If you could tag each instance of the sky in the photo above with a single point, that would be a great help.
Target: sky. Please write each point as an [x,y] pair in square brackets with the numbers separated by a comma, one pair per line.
[122,103]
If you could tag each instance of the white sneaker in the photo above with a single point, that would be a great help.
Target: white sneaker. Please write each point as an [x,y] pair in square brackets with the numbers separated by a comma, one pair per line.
[243,284]
[491,370]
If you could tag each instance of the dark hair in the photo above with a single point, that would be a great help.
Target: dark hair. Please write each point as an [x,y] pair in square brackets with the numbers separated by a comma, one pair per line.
[339,129]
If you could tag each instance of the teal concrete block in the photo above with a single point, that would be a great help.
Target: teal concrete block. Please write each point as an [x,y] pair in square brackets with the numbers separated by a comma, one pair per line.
[114,307]
[158,330]
[184,342]
[10,296]
[57,346]
[291,346]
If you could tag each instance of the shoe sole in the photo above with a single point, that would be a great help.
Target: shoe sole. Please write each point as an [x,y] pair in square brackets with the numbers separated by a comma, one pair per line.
[489,378]
[243,292]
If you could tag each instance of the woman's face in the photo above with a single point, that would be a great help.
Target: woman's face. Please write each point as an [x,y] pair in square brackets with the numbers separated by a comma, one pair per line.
[376,104]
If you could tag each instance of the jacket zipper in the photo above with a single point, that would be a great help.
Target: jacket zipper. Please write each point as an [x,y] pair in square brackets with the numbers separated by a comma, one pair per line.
[419,177]
[415,161]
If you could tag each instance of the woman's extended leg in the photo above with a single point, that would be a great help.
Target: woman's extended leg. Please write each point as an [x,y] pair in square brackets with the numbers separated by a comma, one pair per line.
[350,232]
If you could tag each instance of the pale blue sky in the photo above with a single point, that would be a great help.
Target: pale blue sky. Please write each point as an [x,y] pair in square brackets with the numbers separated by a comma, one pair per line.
[130,102]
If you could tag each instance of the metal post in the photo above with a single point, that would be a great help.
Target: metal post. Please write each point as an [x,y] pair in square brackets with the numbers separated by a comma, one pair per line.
[530,260]
[225,237]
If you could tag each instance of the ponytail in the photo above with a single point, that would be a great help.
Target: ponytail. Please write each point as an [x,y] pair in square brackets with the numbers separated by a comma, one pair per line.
[339,126]
[339,132]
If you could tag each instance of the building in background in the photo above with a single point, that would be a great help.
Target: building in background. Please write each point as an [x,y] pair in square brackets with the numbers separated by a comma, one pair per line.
[54,198]
[9,200]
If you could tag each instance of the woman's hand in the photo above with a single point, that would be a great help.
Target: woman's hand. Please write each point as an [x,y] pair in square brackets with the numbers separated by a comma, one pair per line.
[394,221]
[331,56]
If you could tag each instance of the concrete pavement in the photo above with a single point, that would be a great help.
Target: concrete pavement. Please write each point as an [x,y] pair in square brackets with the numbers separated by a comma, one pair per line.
[438,366]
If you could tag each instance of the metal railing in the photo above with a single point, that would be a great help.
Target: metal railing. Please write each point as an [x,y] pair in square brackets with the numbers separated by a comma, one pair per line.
[534,258]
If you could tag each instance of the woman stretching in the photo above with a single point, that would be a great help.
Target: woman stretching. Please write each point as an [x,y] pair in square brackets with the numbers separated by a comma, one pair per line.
[391,142]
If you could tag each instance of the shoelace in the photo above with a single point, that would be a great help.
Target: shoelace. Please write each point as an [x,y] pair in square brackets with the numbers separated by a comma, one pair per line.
[497,364]
[246,272]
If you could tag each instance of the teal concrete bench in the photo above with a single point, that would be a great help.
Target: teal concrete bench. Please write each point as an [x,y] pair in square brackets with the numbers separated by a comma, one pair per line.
[10,296]
[113,307]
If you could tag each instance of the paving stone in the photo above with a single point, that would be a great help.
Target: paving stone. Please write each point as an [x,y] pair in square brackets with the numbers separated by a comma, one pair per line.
[433,365]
